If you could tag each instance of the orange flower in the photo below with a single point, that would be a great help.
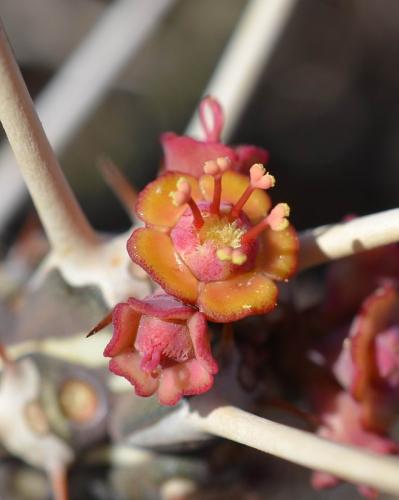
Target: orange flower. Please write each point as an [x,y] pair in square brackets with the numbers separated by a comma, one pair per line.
[212,242]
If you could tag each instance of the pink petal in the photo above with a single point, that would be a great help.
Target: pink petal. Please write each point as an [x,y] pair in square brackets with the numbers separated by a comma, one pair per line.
[169,338]
[248,156]
[125,322]
[198,329]
[162,306]
[321,480]
[183,379]
[187,155]
[378,312]
[127,365]
[387,355]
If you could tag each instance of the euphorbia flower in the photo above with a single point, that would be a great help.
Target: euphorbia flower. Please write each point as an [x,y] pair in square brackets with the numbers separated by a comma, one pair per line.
[368,365]
[161,345]
[187,155]
[212,242]
[341,421]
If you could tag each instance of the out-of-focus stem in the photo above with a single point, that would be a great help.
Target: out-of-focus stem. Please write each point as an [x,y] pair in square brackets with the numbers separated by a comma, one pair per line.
[64,222]
[334,241]
[120,185]
[75,90]
[300,447]
[244,59]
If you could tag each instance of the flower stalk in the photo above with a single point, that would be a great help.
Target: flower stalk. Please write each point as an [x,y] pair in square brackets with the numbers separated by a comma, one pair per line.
[297,446]
[334,241]
[64,222]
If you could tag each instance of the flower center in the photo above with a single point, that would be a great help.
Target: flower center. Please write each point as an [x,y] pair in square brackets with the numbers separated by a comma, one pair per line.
[221,231]
[216,239]
[160,342]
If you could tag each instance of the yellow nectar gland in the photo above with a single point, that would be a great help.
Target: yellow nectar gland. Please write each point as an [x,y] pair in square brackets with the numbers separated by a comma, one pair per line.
[222,231]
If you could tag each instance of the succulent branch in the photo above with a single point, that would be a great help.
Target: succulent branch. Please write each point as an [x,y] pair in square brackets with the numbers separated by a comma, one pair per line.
[330,242]
[300,447]
[251,46]
[65,225]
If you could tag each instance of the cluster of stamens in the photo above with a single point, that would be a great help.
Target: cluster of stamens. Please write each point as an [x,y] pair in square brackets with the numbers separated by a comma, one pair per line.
[259,179]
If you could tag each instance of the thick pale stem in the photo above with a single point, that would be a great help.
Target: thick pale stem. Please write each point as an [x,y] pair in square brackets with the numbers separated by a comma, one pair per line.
[93,66]
[245,57]
[60,214]
[326,243]
[301,447]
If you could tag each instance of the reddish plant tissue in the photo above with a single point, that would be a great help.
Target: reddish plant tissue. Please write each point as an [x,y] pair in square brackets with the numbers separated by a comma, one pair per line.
[161,346]
[187,155]
[213,245]
[357,398]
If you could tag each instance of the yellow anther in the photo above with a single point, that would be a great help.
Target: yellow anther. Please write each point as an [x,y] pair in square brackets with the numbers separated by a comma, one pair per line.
[223,163]
[238,257]
[260,178]
[277,219]
[224,254]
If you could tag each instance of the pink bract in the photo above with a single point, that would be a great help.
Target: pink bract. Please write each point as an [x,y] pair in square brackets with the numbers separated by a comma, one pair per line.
[161,345]
[341,421]
[187,155]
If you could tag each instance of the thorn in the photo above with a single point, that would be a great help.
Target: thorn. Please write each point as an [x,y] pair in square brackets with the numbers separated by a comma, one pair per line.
[102,324]
[120,185]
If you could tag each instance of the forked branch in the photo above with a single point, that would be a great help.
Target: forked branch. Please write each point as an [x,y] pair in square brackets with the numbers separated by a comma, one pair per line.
[300,447]
[334,241]
[64,222]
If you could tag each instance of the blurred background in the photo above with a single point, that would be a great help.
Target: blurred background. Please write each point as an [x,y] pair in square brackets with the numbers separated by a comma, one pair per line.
[325,105]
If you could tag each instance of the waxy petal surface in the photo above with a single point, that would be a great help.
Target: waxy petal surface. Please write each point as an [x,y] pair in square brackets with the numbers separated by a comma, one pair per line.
[278,254]
[186,155]
[249,155]
[154,204]
[125,321]
[162,306]
[233,186]
[127,365]
[236,298]
[153,250]
[184,379]
[198,329]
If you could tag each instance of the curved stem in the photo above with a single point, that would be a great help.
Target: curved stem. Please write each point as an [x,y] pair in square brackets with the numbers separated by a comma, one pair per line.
[300,447]
[62,218]
[334,241]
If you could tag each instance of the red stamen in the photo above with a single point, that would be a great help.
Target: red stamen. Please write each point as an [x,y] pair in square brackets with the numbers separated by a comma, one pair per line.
[217,195]
[276,220]
[255,231]
[198,219]
[235,212]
